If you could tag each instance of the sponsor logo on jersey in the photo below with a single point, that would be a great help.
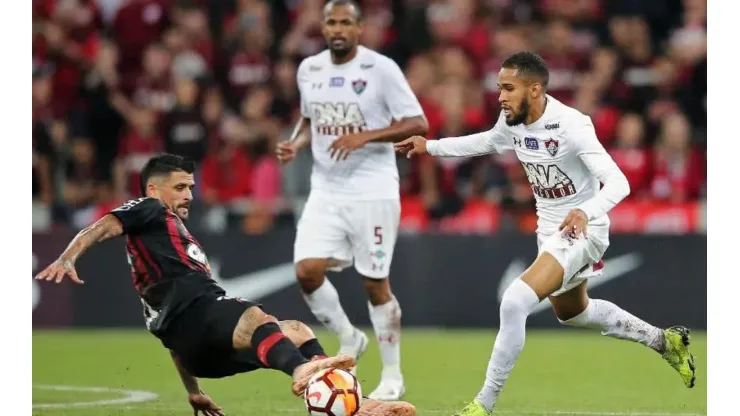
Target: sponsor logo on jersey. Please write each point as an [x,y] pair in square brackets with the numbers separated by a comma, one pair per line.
[336,119]
[552,126]
[366,66]
[359,86]
[531,143]
[552,146]
[195,253]
[314,68]
[336,82]
[548,181]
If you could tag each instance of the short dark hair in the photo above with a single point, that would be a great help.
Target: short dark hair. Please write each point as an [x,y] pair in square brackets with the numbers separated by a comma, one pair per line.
[349,3]
[163,164]
[529,64]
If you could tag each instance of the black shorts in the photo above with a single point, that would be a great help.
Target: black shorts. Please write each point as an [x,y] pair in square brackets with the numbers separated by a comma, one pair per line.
[202,337]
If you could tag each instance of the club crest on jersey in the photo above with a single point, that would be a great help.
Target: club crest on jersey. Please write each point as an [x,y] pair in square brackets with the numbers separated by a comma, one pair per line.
[552,146]
[359,85]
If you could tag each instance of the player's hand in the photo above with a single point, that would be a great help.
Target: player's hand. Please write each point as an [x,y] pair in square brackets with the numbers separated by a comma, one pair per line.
[203,405]
[575,223]
[415,145]
[57,270]
[286,152]
[343,146]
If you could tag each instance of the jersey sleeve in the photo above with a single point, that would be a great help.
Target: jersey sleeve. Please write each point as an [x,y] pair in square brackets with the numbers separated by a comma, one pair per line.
[602,166]
[491,141]
[583,137]
[397,93]
[138,213]
[301,80]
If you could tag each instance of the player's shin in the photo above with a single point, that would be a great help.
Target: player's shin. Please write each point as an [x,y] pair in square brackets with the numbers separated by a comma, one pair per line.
[615,322]
[518,302]
[325,305]
[275,350]
[386,320]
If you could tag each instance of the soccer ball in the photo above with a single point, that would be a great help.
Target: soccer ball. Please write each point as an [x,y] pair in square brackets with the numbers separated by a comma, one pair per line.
[333,392]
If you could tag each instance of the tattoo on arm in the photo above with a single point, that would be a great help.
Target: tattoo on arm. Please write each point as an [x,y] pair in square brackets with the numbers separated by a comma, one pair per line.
[107,227]
[188,380]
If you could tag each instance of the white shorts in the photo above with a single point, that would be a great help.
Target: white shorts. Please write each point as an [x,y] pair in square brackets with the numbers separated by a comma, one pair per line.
[345,230]
[581,258]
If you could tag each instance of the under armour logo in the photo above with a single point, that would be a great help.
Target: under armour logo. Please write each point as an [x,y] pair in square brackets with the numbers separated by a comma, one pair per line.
[517,142]
[316,85]
[377,267]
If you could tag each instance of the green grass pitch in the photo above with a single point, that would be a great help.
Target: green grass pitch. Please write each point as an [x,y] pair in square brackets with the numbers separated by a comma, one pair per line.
[565,372]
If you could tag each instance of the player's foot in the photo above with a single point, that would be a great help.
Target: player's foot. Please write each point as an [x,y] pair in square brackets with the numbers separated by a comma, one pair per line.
[473,409]
[372,407]
[677,353]
[390,388]
[302,375]
[354,346]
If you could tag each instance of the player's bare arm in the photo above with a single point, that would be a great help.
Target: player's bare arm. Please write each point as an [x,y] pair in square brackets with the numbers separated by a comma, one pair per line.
[107,227]
[341,148]
[300,138]
[200,402]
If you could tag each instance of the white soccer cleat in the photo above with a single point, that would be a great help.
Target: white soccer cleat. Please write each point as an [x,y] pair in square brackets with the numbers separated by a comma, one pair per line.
[388,389]
[354,347]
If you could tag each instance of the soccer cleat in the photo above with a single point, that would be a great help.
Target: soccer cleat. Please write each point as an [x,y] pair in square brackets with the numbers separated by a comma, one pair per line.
[473,409]
[677,353]
[388,389]
[372,407]
[354,347]
[302,375]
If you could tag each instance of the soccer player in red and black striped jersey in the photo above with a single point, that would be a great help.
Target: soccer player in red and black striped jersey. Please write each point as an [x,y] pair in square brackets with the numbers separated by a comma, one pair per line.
[208,333]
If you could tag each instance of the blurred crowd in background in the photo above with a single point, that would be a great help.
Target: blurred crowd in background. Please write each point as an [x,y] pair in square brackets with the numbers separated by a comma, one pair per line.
[116,81]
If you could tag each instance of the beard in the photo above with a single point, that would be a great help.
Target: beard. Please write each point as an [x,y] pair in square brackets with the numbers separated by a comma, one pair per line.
[519,117]
[340,52]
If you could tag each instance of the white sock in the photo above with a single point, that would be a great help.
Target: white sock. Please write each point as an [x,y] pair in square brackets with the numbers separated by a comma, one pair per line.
[517,303]
[325,305]
[386,319]
[614,321]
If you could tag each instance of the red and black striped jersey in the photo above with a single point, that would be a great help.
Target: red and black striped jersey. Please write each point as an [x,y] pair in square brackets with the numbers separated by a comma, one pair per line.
[168,265]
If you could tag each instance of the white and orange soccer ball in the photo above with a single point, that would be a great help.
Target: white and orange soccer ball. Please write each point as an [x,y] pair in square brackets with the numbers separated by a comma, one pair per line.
[333,392]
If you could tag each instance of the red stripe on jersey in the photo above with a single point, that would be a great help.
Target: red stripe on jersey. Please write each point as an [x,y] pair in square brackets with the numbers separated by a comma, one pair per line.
[176,241]
[147,257]
[138,267]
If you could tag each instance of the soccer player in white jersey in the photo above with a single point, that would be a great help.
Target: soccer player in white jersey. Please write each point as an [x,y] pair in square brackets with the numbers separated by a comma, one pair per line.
[358,104]
[565,163]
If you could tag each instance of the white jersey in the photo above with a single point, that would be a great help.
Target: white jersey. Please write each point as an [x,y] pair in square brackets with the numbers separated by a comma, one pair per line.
[366,93]
[563,159]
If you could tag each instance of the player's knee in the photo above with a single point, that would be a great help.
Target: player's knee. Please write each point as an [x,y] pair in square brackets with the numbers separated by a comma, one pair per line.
[255,317]
[378,291]
[296,331]
[310,273]
[513,301]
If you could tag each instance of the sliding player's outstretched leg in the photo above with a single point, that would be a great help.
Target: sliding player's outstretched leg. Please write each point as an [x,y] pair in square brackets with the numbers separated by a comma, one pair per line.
[261,331]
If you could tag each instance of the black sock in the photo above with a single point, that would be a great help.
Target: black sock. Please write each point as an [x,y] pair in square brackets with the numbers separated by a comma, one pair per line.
[312,348]
[276,351]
